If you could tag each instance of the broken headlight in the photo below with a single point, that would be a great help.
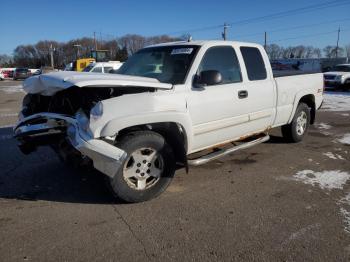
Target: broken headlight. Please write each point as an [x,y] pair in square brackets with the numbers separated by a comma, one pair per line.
[82,120]
[96,111]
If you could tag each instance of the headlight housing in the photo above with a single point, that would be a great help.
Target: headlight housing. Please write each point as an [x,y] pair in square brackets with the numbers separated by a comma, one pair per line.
[339,77]
[97,111]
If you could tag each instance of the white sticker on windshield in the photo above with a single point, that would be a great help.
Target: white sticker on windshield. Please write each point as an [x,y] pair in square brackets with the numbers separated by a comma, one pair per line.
[181,51]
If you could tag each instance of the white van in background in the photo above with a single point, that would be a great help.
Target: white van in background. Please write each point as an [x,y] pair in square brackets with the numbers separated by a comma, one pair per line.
[103,67]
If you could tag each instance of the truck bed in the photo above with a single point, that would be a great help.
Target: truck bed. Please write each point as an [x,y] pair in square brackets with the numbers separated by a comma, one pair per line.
[281,73]
[292,86]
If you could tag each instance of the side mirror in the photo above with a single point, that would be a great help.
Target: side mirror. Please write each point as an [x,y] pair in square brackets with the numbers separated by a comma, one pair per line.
[208,78]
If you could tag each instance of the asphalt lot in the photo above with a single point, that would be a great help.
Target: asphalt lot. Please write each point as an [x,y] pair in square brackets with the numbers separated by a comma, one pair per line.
[255,205]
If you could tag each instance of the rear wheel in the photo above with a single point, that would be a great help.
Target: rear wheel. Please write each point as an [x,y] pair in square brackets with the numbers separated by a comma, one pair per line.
[147,170]
[296,130]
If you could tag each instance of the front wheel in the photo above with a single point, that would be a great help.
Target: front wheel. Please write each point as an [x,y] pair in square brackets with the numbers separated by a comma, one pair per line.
[296,130]
[148,169]
[346,86]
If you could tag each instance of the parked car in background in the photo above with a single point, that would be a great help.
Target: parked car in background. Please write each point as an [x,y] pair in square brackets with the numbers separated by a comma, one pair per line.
[21,73]
[338,77]
[103,67]
[7,73]
[10,73]
[2,77]
[35,72]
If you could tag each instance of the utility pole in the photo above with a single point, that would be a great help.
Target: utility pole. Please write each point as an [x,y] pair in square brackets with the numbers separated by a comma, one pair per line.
[95,41]
[78,52]
[224,34]
[51,55]
[265,41]
[336,50]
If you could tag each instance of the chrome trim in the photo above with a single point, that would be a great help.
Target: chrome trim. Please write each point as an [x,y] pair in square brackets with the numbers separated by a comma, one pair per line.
[217,154]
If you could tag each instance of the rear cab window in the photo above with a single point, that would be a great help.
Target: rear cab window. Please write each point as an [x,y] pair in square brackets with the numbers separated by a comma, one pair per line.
[254,63]
[224,60]
[97,69]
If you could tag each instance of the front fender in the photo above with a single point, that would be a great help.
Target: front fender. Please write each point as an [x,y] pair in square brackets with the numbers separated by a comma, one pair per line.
[141,109]
[115,125]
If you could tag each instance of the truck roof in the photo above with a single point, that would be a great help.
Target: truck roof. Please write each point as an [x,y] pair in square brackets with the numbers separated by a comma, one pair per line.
[204,42]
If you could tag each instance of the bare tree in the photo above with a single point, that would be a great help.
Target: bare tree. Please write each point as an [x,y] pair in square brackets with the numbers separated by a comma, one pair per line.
[6,61]
[317,53]
[132,42]
[135,42]
[274,51]
[299,51]
[332,52]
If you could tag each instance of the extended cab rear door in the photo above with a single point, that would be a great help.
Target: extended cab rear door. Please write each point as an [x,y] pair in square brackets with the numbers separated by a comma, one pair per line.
[232,109]
[260,86]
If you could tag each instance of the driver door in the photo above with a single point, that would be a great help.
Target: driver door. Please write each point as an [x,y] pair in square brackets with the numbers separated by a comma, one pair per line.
[216,110]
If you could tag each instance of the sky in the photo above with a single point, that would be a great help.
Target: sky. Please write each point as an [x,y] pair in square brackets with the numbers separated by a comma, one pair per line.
[27,22]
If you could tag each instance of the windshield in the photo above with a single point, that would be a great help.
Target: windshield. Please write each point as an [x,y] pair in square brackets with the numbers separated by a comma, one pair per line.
[168,64]
[21,70]
[341,68]
[88,68]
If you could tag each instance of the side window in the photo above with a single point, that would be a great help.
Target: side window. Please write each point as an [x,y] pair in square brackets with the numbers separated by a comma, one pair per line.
[97,69]
[254,63]
[224,60]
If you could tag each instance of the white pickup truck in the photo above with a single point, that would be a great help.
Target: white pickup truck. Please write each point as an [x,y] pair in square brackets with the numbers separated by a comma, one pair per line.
[170,106]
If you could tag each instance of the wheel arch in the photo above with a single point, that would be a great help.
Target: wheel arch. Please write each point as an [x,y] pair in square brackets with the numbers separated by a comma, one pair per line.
[174,134]
[309,100]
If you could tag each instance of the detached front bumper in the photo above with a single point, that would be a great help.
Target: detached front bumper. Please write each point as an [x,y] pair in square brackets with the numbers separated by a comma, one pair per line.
[41,128]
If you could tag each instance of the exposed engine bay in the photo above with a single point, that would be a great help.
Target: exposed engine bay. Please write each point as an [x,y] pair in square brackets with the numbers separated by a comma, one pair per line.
[69,101]
[47,118]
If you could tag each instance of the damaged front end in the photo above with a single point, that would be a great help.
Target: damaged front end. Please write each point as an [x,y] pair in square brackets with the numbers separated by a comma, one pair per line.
[68,134]
[56,112]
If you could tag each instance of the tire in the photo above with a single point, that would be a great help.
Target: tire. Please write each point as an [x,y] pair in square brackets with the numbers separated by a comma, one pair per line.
[148,154]
[296,130]
[346,86]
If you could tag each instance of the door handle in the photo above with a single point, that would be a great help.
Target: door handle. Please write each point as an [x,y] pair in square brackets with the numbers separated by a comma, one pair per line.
[242,94]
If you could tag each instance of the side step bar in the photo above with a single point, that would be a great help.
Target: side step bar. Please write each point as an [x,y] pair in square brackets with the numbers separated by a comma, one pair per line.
[217,154]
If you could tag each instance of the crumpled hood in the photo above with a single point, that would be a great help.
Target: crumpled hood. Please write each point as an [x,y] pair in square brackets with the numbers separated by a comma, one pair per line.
[49,84]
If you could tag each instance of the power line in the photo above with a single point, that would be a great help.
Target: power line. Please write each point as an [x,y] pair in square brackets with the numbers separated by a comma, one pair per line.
[295,27]
[307,36]
[300,10]
[193,30]
[304,36]
[291,12]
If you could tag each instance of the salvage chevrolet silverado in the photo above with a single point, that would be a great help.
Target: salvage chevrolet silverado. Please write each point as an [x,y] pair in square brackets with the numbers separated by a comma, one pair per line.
[169,106]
